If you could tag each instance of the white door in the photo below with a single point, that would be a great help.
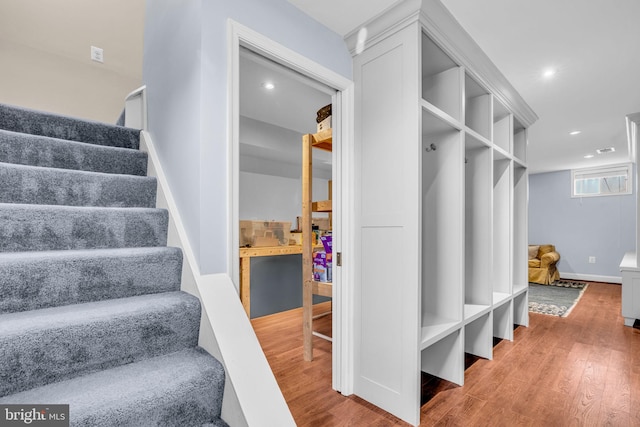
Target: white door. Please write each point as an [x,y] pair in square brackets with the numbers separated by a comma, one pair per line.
[387,225]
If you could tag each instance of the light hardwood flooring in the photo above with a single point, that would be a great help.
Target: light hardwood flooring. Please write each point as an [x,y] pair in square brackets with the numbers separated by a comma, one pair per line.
[583,370]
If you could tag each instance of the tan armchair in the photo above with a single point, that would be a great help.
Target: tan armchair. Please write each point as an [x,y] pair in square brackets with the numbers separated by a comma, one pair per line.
[542,264]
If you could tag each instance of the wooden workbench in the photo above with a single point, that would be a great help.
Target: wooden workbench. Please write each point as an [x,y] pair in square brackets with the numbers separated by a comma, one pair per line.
[245,267]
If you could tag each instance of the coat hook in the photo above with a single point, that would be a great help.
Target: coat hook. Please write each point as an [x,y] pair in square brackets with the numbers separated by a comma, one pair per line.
[431,147]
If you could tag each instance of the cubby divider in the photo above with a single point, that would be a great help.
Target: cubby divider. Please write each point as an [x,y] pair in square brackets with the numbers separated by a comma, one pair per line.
[520,256]
[445,358]
[478,336]
[521,307]
[503,320]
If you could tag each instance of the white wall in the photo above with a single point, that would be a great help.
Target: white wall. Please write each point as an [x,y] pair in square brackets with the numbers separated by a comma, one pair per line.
[185,70]
[272,150]
[264,197]
[44,51]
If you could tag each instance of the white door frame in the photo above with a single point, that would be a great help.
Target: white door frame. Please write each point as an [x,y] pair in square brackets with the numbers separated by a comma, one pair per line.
[343,103]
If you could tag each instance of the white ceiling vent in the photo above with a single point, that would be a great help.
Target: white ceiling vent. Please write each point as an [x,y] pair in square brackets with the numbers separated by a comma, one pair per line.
[605,150]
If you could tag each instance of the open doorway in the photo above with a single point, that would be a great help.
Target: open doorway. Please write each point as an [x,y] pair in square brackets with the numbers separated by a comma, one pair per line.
[277,106]
[257,162]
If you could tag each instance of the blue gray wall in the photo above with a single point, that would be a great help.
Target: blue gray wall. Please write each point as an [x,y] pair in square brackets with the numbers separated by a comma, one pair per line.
[185,70]
[603,227]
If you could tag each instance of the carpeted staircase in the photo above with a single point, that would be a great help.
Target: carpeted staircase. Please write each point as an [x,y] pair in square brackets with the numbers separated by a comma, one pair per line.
[91,312]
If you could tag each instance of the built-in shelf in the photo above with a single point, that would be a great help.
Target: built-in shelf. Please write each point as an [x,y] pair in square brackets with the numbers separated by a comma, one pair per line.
[441,79]
[436,327]
[473,311]
[520,288]
[519,141]
[430,110]
[500,298]
[475,138]
[477,108]
[500,154]
[502,124]
[519,163]
[440,190]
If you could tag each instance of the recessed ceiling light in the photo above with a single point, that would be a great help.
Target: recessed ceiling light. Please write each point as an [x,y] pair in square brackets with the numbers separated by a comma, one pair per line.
[589,156]
[575,132]
[605,150]
[548,73]
[268,85]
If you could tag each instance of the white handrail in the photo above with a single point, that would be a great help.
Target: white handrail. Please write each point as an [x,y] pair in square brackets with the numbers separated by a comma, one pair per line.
[135,109]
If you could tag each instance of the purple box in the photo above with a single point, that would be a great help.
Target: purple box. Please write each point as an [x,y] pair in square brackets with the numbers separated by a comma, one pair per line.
[320,266]
[327,242]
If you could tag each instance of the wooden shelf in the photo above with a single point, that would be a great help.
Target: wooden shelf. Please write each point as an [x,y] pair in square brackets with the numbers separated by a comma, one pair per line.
[322,140]
[321,206]
[322,288]
[270,251]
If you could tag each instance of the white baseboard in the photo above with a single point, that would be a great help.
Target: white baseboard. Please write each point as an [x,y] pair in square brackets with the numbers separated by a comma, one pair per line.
[591,277]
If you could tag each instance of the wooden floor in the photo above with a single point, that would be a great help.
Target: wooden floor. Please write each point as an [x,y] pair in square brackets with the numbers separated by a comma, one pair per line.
[583,370]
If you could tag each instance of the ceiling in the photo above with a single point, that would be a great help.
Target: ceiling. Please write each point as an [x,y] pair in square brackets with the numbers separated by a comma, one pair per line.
[291,104]
[270,142]
[592,45]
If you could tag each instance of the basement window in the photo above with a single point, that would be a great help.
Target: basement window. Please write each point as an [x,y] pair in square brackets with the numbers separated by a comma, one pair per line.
[601,181]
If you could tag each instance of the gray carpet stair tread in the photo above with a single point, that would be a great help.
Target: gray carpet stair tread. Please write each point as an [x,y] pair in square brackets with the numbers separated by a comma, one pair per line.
[179,389]
[91,312]
[34,150]
[24,120]
[49,186]
[42,279]
[43,227]
[44,346]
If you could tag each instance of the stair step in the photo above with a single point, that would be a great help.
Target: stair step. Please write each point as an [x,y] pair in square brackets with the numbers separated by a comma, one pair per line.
[36,280]
[24,120]
[44,346]
[44,227]
[49,186]
[25,149]
[180,389]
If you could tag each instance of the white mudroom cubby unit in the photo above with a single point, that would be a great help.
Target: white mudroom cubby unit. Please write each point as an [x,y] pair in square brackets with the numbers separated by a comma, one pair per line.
[440,198]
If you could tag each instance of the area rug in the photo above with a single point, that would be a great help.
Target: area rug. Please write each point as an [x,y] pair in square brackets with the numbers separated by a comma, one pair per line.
[557,299]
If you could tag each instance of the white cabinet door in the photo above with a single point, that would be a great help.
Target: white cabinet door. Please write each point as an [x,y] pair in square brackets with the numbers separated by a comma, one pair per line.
[387,224]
